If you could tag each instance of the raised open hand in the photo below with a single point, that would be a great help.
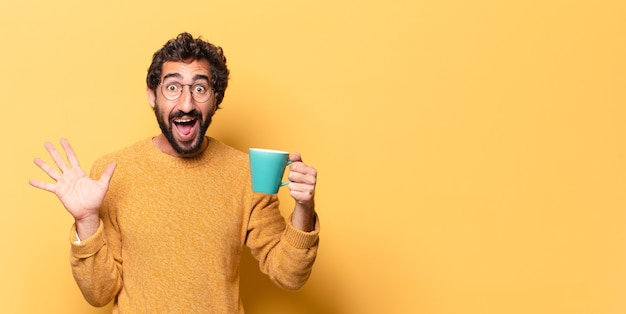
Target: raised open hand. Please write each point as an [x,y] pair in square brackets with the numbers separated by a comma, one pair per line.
[81,196]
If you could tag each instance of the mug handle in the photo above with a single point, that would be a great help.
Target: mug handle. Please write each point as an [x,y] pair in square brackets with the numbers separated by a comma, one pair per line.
[286,182]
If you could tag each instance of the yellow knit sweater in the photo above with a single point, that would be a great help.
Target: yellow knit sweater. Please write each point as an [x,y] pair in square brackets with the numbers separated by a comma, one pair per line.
[172,231]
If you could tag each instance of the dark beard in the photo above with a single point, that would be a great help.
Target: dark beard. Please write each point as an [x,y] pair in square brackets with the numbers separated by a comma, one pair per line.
[166,129]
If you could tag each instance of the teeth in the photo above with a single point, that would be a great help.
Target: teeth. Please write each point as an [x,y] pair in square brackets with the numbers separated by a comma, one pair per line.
[183,120]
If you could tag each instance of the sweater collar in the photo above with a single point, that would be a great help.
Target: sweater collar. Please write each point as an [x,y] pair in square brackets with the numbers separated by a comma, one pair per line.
[185,162]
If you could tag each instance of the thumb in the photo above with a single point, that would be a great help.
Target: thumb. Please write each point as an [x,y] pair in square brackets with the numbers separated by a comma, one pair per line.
[295,157]
[107,173]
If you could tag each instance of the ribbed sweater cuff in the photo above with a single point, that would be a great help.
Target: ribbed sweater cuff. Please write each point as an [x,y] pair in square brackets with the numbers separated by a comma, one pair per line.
[89,246]
[300,239]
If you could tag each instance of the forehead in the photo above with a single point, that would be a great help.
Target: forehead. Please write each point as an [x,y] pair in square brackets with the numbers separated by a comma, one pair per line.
[186,69]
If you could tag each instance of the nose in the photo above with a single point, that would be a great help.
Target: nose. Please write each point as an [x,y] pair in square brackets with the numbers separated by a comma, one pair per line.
[185,102]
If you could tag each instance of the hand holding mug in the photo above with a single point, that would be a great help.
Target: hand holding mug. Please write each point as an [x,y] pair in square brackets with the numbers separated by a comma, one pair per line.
[302,178]
[267,168]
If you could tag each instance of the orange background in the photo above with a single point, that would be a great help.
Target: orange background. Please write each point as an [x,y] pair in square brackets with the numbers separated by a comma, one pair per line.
[471,154]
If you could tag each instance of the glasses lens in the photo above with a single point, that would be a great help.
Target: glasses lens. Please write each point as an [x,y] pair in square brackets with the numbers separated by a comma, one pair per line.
[171,90]
[201,92]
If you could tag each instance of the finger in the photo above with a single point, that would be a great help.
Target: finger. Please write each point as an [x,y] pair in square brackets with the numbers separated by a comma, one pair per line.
[301,178]
[42,185]
[303,169]
[69,152]
[51,172]
[307,189]
[295,157]
[107,174]
[58,160]
[302,193]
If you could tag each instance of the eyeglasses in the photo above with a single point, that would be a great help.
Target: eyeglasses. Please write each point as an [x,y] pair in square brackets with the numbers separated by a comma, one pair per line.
[201,92]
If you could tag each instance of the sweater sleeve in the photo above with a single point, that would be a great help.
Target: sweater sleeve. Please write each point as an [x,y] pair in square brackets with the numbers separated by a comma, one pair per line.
[95,271]
[285,253]
[96,261]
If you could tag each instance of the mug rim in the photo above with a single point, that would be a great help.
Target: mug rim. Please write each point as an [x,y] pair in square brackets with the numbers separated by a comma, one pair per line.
[267,150]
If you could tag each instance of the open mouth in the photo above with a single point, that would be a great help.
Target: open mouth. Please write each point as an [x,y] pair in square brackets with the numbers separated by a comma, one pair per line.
[186,127]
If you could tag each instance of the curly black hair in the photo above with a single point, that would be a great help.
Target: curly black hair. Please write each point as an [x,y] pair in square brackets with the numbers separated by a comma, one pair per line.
[185,48]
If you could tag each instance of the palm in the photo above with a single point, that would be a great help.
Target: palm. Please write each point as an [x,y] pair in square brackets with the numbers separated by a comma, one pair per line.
[80,195]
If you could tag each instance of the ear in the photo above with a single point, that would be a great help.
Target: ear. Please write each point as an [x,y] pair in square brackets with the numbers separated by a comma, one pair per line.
[151,97]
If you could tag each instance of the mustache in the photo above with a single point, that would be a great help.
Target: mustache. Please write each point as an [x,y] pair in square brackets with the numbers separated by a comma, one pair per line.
[179,114]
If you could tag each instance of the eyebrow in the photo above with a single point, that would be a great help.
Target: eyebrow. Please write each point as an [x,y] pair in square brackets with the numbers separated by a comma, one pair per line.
[179,76]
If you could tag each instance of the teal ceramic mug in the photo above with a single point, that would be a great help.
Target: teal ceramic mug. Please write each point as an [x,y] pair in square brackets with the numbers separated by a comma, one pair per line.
[267,168]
